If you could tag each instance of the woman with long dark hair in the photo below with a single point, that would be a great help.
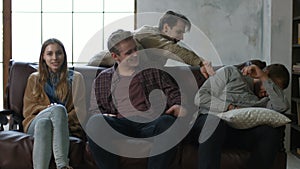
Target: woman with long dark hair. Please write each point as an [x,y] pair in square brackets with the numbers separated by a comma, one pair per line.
[49,106]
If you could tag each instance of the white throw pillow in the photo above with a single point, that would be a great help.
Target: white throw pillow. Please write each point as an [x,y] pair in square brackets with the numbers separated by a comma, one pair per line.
[250,117]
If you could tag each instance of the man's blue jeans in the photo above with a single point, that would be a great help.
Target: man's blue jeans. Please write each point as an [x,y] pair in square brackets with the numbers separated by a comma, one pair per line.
[262,141]
[108,160]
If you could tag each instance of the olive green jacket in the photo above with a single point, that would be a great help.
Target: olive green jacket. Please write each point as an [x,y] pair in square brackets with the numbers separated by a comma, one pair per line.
[148,37]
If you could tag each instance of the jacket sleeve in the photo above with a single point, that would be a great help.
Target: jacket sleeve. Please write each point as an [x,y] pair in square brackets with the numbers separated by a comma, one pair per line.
[177,52]
[278,100]
[209,94]
[32,105]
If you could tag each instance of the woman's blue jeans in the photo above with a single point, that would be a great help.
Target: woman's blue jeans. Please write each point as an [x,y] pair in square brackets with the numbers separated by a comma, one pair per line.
[51,134]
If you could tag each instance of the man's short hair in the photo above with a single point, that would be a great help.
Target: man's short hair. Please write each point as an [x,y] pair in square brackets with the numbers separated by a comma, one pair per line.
[116,37]
[171,18]
[279,74]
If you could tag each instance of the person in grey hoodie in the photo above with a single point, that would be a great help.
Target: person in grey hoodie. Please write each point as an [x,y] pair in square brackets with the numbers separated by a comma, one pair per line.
[230,88]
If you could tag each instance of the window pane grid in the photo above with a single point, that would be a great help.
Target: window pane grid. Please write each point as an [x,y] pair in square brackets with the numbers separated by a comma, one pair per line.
[66,23]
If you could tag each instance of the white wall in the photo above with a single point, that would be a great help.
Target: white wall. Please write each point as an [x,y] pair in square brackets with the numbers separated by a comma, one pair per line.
[235,28]
[239,30]
[281,40]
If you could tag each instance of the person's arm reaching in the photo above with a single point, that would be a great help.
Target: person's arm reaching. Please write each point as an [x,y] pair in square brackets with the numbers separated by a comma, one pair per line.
[176,52]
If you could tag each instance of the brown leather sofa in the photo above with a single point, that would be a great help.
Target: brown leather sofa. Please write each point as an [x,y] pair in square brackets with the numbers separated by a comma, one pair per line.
[16,146]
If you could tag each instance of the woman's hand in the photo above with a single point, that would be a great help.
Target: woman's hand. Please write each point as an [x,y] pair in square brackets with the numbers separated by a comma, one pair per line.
[52,104]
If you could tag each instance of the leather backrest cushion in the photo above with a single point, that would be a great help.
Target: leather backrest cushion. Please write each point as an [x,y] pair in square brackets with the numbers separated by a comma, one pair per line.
[89,73]
[18,75]
[20,71]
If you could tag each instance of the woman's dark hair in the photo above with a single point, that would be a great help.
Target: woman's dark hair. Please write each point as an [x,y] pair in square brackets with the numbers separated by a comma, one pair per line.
[44,72]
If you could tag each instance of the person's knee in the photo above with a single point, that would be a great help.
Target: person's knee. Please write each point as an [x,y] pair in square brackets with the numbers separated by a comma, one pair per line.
[97,123]
[96,118]
[268,132]
[60,112]
[215,126]
[43,127]
[222,125]
[164,123]
[167,119]
[213,132]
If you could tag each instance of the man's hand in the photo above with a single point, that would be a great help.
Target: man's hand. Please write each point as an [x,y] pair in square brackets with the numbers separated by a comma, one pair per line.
[255,72]
[207,69]
[177,111]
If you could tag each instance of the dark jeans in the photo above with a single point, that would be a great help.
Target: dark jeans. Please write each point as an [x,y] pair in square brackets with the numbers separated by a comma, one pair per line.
[262,141]
[107,160]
